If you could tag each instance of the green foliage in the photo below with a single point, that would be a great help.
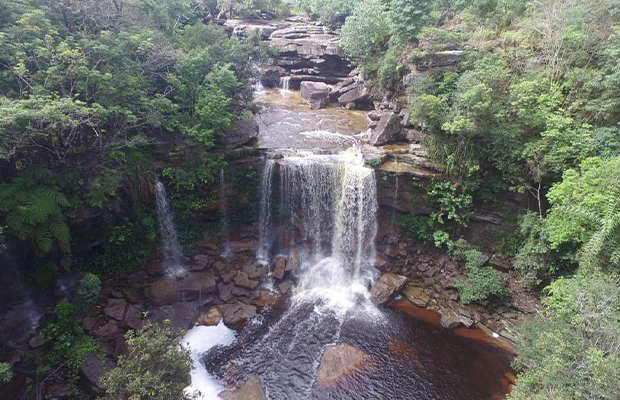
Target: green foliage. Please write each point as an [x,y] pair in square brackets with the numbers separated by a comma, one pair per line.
[570,352]
[417,226]
[408,16]
[34,210]
[67,341]
[366,32]
[155,367]
[454,203]
[88,293]
[330,12]
[6,373]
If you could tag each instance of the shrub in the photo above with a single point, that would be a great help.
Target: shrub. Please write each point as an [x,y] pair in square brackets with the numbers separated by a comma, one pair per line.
[417,226]
[155,367]
[88,293]
[481,283]
[6,373]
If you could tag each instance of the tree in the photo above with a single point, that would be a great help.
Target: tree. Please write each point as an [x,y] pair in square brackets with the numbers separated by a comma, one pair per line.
[408,17]
[154,368]
[367,31]
[572,352]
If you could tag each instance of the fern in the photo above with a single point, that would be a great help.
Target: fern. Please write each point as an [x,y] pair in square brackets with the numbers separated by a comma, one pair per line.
[33,208]
[603,248]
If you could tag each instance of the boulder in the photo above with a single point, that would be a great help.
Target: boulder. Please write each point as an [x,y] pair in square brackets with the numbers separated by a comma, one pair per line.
[416,295]
[236,313]
[211,318]
[337,362]
[36,341]
[501,262]
[115,309]
[225,291]
[134,317]
[91,372]
[252,389]
[316,94]
[243,246]
[386,287]
[244,130]
[181,315]
[449,319]
[171,290]
[279,268]
[243,280]
[357,94]
[285,286]
[387,129]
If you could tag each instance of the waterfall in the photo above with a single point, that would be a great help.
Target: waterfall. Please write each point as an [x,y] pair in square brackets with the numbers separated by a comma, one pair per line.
[331,204]
[285,84]
[393,220]
[172,252]
[264,220]
[237,33]
[224,221]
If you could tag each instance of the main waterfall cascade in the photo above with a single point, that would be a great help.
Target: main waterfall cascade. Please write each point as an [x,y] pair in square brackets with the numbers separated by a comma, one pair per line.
[326,208]
[172,250]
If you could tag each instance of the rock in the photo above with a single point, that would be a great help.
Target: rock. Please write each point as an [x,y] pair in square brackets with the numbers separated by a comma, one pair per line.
[380,262]
[266,301]
[285,286]
[89,323]
[225,291]
[154,267]
[115,309]
[259,272]
[181,315]
[252,389]
[440,59]
[243,131]
[404,116]
[91,372]
[385,288]
[357,94]
[501,262]
[387,129]
[239,291]
[171,290]
[337,362]
[243,280]
[449,319]
[243,246]
[107,330]
[220,266]
[416,295]
[316,94]
[211,318]
[36,341]
[375,115]
[57,390]
[134,317]
[132,295]
[279,268]
[236,313]
[229,276]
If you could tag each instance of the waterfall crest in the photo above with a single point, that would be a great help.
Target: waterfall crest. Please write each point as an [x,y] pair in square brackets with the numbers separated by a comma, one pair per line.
[172,250]
[327,213]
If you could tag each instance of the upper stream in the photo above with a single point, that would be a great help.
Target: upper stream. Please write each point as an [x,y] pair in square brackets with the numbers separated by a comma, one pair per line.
[319,209]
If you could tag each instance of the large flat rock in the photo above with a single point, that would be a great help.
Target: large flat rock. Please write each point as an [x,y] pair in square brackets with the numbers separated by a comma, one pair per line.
[171,290]
[339,361]
[252,389]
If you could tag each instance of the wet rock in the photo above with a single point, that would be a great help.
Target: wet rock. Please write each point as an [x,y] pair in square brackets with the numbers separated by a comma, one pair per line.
[252,389]
[416,295]
[243,280]
[259,272]
[211,318]
[154,267]
[285,286]
[236,313]
[225,291]
[107,330]
[380,262]
[57,390]
[449,319]
[138,279]
[242,246]
[239,291]
[229,276]
[134,317]
[89,323]
[265,301]
[243,131]
[91,372]
[316,94]
[337,362]
[132,295]
[115,309]
[386,131]
[220,266]
[181,316]
[386,287]
[170,290]
[279,268]
[36,341]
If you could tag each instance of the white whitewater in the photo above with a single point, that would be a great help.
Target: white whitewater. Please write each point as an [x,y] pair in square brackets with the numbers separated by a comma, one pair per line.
[224,219]
[330,204]
[172,252]
[285,84]
[199,340]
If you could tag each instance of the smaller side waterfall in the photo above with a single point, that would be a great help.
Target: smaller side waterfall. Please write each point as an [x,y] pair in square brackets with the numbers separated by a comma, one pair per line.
[224,220]
[393,220]
[237,33]
[172,252]
[285,84]
[264,219]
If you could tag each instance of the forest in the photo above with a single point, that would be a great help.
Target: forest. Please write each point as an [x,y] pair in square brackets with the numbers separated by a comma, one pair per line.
[102,99]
